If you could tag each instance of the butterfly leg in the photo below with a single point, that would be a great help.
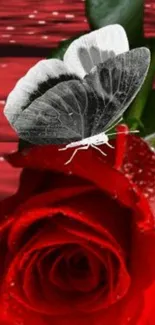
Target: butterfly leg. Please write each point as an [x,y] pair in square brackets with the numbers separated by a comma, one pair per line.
[95,147]
[61,149]
[109,145]
[75,152]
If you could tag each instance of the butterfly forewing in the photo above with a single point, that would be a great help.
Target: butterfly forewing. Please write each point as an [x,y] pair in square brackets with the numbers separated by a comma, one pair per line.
[116,82]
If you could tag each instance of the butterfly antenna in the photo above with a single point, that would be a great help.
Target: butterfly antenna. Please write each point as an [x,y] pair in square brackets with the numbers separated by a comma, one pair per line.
[112,126]
[129,132]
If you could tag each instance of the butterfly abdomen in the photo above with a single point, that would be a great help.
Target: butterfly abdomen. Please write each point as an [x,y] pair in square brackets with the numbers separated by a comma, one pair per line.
[95,139]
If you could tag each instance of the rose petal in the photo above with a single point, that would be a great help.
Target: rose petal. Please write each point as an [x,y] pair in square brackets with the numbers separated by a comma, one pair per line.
[87,164]
[51,237]
[139,166]
[123,191]
[17,229]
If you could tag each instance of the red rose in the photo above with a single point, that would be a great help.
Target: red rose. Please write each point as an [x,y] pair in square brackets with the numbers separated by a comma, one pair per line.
[78,241]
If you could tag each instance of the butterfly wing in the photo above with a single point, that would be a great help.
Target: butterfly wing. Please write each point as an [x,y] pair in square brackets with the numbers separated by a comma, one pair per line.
[117,82]
[63,114]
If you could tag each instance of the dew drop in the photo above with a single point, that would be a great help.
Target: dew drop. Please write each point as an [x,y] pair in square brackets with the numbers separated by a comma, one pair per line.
[150,190]
[128,166]
[115,195]
[12,284]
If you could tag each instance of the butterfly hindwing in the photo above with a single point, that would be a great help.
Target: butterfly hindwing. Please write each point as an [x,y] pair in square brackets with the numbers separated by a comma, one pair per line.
[116,82]
[63,114]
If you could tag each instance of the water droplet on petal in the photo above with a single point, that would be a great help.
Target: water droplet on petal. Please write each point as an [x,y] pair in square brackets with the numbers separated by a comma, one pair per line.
[12,284]
[4,65]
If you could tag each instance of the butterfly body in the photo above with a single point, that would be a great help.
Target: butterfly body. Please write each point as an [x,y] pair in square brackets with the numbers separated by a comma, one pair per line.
[84,144]
[97,139]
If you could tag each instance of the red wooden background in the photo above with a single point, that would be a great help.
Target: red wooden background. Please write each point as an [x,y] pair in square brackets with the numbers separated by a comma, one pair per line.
[28,31]
[149,19]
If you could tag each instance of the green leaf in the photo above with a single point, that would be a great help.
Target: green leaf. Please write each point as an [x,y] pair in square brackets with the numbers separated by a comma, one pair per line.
[128,13]
[59,52]
[134,121]
[148,117]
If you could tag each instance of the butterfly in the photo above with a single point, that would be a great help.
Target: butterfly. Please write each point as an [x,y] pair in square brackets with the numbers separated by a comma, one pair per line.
[75,102]
[78,113]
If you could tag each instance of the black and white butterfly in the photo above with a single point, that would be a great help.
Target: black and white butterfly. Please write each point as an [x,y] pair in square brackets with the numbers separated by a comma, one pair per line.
[76,101]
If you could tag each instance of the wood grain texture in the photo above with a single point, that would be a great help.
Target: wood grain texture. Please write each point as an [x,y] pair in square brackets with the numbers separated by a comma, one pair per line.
[41,23]
[149,19]
[29,29]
